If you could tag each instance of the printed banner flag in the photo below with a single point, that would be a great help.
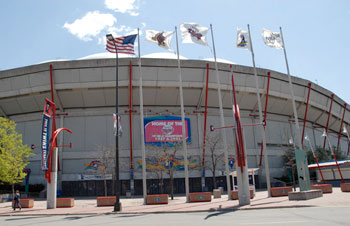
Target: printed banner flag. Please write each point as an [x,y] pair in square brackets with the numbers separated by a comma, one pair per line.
[120,129]
[242,39]
[162,38]
[194,33]
[272,39]
[124,44]
[45,133]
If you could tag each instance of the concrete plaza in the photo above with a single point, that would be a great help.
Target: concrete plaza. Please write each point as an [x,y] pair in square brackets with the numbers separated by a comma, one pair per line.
[135,205]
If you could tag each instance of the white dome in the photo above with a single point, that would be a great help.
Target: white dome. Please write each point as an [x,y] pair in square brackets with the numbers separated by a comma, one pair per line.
[219,60]
[105,55]
[163,56]
[48,61]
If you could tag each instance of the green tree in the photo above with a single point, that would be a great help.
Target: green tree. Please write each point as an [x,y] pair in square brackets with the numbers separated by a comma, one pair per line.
[13,154]
[324,155]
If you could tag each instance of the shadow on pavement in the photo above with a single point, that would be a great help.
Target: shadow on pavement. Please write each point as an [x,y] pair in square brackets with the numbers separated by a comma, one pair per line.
[221,211]
[129,215]
[76,217]
[24,218]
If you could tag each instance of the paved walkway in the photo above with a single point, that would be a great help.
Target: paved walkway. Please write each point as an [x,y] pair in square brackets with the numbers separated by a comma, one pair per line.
[179,205]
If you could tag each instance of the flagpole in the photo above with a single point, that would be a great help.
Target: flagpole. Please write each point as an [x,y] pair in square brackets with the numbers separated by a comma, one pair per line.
[222,119]
[267,170]
[117,205]
[299,145]
[183,120]
[143,149]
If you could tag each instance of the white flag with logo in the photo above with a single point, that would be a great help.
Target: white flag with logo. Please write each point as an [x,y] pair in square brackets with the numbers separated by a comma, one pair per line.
[161,38]
[118,130]
[242,39]
[194,33]
[272,39]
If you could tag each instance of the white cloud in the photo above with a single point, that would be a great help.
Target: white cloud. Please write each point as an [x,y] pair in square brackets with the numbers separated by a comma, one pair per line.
[123,6]
[134,14]
[122,30]
[90,25]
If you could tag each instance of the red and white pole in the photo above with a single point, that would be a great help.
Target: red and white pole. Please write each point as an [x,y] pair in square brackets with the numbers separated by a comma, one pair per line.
[205,127]
[265,114]
[305,116]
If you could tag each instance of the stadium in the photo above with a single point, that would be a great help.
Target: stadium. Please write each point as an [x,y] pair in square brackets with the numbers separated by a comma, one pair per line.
[85,95]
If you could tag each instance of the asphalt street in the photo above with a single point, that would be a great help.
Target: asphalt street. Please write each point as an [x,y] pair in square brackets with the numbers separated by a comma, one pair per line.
[282,216]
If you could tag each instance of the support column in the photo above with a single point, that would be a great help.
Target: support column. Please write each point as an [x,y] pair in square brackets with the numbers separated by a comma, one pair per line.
[243,180]
[52,187]
[60,157]
[205,128]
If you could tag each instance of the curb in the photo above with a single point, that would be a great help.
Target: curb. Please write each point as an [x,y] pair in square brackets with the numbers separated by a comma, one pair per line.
[161,212]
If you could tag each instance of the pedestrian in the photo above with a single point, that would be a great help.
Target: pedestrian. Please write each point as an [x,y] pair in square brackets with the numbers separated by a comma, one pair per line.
[17,199]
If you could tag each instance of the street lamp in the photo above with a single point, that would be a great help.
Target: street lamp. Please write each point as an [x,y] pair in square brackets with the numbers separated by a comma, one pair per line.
[117,205]
[347,134]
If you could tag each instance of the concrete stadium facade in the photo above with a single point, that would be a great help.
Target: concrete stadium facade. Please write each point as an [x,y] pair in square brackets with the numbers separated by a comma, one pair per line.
[85,98]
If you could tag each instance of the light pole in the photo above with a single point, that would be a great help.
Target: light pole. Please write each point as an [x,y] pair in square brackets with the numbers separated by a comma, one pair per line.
[117,205]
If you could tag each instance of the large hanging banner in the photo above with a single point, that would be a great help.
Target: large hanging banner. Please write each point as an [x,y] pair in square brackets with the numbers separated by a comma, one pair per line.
[166,130]
[45,134]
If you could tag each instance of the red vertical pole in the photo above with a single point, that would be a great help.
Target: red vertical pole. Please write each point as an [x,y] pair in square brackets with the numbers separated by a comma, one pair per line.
[52,99]
[341,126]
[265,113]
[238,135]
[318,166]
[329,115]
[305,116]
[51,83]
[53,118]
[335,159]
[130,112]
[205,116]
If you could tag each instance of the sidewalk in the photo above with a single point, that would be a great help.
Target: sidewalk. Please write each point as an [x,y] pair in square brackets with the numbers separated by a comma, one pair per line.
[179,205]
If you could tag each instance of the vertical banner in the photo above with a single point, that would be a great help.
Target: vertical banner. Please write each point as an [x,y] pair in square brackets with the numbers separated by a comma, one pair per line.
[118,130]
[45,134]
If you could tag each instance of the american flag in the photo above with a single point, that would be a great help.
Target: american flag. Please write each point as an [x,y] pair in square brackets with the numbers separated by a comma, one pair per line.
[125,44]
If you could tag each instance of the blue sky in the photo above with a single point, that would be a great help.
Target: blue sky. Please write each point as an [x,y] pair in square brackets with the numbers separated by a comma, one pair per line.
[316,32]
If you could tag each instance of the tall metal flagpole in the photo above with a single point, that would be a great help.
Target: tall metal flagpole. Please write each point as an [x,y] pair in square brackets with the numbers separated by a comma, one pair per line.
[267,170]
[223,132]
[297,128]
[183,121]
[143,149]
[117,205]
